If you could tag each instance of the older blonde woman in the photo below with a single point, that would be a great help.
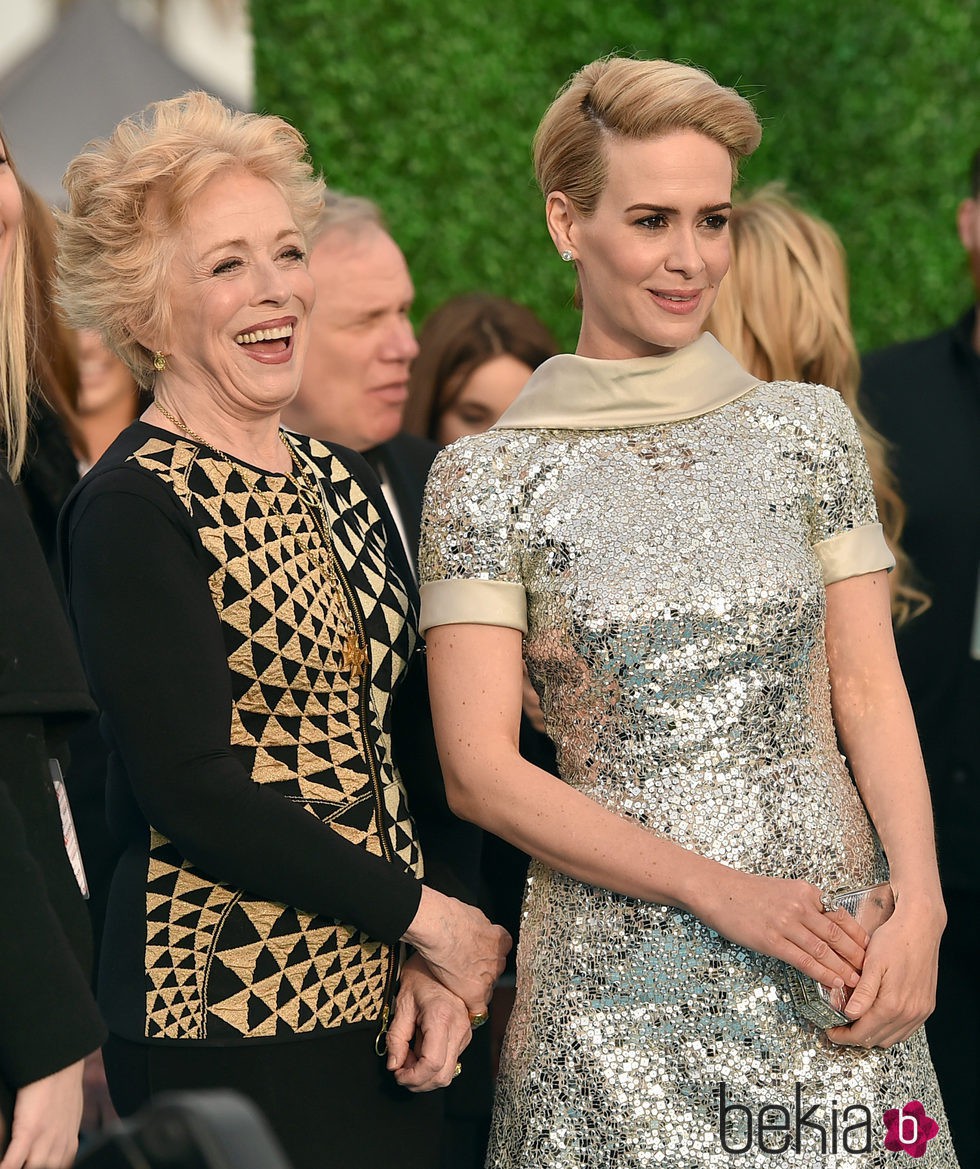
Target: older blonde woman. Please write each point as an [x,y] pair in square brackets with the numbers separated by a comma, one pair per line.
[246,617]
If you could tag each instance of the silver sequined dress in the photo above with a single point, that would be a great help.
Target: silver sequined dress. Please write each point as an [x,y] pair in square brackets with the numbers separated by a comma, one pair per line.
[672,573]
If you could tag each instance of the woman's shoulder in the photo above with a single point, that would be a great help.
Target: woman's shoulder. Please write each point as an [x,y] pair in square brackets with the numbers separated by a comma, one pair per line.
[498,449]
[337,465]
[806,404]
[132,465]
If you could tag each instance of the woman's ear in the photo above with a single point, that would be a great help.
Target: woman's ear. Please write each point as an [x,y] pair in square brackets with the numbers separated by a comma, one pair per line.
[560,217]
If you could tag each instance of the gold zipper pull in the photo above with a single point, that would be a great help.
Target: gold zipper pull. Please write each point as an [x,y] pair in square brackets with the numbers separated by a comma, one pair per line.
[381,1042]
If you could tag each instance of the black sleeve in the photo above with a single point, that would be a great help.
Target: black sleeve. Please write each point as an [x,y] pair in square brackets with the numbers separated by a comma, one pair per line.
[153,648]
[48,1017]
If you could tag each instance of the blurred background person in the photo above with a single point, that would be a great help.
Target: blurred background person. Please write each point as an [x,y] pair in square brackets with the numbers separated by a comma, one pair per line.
[476,352]
[783,311]
[108,397]
[246,617]
[71,421]
[924,396]
[48,1018]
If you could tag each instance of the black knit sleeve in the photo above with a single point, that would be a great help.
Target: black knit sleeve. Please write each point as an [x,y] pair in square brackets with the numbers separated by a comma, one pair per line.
[153,649]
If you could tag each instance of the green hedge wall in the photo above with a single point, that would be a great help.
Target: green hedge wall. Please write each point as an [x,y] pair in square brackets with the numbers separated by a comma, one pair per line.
[429,106]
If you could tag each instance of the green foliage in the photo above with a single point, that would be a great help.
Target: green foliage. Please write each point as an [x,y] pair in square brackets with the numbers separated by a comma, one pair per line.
[429,107]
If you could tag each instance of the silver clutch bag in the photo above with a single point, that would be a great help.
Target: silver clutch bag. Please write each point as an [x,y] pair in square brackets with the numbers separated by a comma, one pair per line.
[823,1006]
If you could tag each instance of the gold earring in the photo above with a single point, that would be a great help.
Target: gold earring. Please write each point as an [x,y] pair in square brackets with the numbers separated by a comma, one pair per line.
[159,362]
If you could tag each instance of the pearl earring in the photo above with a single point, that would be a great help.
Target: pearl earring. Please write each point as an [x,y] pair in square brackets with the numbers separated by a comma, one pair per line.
[566,255]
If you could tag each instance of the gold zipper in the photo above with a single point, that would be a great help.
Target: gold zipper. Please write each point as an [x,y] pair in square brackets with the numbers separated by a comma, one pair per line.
[363,682]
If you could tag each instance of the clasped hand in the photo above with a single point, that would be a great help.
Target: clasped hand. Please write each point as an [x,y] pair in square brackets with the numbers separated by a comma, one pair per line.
[786,920]
[464,950]
[429,1030]
[892,976]
[897,989]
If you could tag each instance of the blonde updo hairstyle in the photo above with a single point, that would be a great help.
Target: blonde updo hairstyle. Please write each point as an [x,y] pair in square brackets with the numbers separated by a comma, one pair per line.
[128,198]
[626,98]
[784,312]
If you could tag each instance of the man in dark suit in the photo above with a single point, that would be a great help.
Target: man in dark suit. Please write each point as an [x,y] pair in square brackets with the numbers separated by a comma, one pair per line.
[924,396]
[362,344]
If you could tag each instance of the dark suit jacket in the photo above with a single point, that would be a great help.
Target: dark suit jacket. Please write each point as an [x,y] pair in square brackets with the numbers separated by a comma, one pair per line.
[924,396]
[48,1017]
[405,461]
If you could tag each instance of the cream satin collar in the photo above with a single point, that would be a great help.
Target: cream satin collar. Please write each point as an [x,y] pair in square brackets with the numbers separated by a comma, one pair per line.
[569,392]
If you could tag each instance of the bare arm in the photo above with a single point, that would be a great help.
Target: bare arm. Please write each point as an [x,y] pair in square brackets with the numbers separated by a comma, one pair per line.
[475,678]
[877,732]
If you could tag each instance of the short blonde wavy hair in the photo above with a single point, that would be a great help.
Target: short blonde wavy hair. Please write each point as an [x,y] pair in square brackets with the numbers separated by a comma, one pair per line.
[628,98]
[128,196]
[784,312]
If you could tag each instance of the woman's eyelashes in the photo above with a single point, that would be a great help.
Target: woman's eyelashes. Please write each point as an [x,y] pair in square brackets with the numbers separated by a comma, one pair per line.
[713,222]
[291,255]
[652,221]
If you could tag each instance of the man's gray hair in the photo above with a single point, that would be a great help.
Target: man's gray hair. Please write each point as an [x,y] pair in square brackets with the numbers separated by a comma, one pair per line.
[352,213]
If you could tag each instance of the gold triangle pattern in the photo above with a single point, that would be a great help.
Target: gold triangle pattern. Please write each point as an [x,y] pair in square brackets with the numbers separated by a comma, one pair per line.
[222,964]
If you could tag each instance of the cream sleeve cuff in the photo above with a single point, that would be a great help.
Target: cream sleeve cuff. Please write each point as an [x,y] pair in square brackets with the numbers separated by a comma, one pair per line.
[853,553]
[473,602]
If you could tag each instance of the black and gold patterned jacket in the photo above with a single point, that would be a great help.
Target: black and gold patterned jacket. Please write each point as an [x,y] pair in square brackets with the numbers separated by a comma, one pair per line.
[270,849]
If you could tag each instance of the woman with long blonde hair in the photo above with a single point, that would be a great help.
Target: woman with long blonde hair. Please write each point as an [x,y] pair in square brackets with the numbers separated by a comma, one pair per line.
[48,1019]
[784,312]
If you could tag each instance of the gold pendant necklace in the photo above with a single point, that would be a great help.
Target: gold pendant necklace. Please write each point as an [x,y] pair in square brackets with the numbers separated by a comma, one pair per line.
[354,653]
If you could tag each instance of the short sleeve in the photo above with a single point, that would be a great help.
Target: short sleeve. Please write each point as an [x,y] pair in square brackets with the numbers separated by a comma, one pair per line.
[847,538]
[470,549]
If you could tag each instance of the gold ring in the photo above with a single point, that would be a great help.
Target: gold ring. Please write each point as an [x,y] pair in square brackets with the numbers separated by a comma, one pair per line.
[457,1070]
[479,1020]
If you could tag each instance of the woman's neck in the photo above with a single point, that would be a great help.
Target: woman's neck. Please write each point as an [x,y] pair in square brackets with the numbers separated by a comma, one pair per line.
[254,440]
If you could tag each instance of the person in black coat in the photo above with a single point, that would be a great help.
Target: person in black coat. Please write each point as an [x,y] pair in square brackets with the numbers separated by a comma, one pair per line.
[924,396]
[48,1018]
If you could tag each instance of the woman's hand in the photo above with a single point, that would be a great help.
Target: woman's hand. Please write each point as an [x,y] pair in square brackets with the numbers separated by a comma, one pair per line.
[429,1030]
[44,1133]
[786,920]
[462,947]
[897,991]
[97,1112]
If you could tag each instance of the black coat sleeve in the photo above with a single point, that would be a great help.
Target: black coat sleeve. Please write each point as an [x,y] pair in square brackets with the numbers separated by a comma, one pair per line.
[48,1017]
[153,649]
